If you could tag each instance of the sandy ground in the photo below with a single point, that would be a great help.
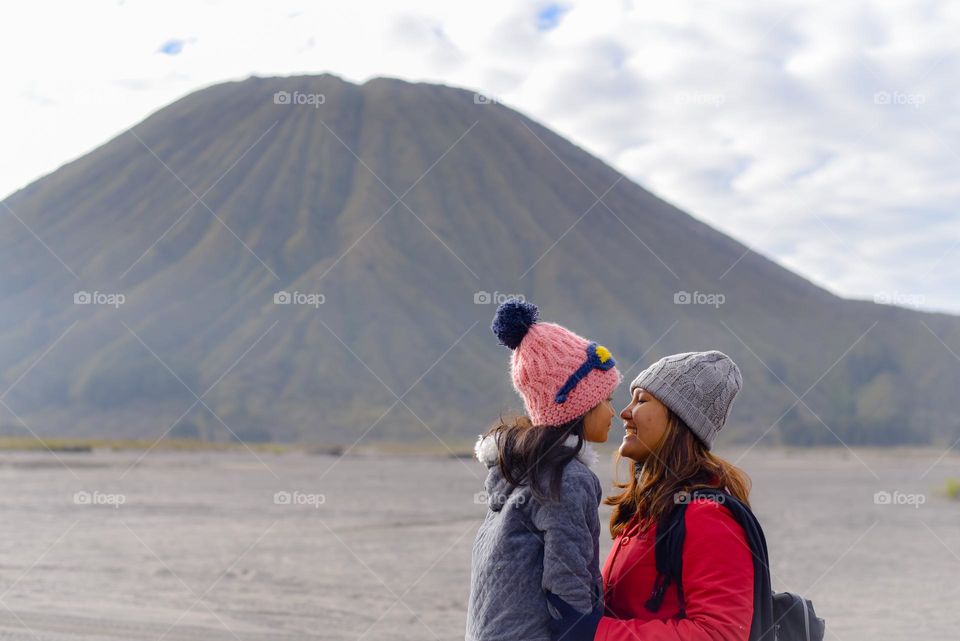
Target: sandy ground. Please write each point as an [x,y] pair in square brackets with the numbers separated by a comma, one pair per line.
[191,546]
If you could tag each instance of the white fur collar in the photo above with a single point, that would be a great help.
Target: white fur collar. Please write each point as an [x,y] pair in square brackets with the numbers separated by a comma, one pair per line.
[486,450]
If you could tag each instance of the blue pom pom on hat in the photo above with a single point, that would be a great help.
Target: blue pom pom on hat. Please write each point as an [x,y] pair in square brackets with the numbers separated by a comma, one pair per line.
[513,320]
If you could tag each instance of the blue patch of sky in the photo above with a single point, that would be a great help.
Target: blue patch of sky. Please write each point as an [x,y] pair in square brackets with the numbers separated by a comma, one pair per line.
[549,16]
[171,47]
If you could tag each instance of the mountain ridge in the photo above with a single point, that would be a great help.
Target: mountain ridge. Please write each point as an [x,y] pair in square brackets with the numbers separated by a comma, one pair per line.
[291,199]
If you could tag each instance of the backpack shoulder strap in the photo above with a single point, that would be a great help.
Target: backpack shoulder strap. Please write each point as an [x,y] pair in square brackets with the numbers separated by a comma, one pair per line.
[669,557]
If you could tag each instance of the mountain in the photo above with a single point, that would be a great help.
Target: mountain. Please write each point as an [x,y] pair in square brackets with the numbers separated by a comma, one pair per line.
[398,213]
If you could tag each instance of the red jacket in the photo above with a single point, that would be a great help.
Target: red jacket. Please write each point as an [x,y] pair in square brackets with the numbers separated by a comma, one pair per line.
[717,582]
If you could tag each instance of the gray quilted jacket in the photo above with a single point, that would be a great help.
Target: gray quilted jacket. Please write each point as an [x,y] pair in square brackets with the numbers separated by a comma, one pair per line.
[524,547]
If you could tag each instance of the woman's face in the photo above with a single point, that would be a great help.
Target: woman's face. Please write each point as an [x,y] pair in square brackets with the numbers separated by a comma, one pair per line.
[596,423]
[645,422]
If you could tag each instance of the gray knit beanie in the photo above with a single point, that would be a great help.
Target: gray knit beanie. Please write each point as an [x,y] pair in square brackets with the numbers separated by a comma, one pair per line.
[698,386]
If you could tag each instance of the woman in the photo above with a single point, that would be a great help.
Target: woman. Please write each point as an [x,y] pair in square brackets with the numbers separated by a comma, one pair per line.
[677,408]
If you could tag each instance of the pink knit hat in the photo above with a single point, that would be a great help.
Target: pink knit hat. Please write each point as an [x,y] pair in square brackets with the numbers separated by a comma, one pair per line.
[560,375]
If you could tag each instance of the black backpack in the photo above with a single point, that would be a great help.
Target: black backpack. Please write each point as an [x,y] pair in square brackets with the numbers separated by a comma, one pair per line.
[780,616]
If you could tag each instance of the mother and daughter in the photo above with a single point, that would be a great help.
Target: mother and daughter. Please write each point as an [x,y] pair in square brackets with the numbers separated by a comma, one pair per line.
[535,565]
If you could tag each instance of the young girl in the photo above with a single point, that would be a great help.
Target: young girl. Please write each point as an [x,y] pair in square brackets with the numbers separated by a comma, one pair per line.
[539,542]
[678,406]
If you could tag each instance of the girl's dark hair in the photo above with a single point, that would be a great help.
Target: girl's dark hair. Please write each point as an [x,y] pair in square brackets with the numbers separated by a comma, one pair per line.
[534,455]
[681,463]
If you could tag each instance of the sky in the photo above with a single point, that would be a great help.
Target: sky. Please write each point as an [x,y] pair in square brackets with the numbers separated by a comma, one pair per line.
[824,135]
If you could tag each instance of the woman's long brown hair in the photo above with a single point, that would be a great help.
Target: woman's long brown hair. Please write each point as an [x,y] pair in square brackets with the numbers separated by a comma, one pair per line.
[681,463]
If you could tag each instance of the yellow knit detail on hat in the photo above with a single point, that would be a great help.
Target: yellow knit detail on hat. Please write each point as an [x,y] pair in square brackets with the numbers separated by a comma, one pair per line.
[603,353]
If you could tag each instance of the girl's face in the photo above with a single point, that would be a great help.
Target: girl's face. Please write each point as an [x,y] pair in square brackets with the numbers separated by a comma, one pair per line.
[596,423]
[645,422]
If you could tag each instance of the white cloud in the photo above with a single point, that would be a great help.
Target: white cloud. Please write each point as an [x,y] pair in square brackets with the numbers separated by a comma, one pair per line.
[825,135]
